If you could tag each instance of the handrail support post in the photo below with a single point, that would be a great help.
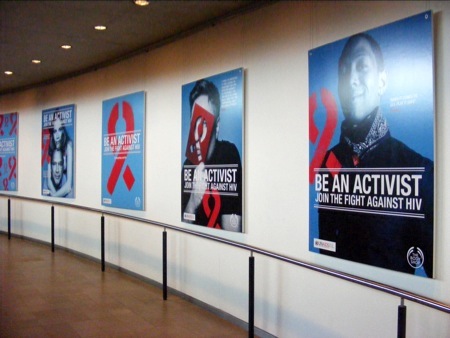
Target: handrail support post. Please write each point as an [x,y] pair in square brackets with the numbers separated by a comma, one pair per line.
[164,244]
[9,218]
[251,296]
[401,321]
[53,227]
[103,241]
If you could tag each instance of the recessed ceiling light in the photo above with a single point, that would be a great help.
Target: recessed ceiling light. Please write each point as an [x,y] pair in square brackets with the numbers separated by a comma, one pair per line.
[36,61]
[8,72]
[141,2]
[100,27]
[66,46]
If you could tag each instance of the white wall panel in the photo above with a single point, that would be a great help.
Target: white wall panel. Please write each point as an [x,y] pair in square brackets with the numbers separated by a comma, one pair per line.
[272,45]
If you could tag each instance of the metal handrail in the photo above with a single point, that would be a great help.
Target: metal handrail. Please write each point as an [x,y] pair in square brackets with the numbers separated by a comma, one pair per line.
[403,294]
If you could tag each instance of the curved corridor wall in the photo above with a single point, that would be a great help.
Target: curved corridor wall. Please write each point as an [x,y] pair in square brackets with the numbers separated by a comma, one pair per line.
[271,44]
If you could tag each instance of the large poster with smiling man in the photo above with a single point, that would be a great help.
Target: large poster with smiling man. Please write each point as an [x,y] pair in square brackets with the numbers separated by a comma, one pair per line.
[371,132]
[123,152]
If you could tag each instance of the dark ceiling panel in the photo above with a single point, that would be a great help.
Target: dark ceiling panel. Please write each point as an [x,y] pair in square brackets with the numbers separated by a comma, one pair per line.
[36,30]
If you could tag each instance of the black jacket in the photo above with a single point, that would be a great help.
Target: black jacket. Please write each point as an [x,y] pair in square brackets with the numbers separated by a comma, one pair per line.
[379,239]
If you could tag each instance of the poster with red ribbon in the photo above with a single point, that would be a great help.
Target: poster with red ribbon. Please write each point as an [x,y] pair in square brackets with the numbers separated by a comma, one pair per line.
[123,151]
[58,152]
[9,131]
[212,151]
[371,142]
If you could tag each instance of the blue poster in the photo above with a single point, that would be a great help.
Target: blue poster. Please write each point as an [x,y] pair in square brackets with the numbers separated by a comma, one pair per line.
[58,152]
[9,126]
[371,133]
[123,151]
[212,150]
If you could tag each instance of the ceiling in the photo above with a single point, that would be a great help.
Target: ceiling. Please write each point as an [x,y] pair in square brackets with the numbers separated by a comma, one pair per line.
[36,30]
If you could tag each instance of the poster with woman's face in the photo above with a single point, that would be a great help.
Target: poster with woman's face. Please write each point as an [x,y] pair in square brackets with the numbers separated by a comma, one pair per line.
[58,152]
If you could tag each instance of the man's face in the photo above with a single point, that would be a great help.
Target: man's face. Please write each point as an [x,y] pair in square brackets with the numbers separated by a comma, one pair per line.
[360,82]
[57,167]
[204,102]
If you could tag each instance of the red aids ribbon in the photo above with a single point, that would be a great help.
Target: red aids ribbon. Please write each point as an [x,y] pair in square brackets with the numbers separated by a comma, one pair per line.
[328,131]
[46,138]
[13,129]
[213,214]
[12,167]
[127,113]
[333,162]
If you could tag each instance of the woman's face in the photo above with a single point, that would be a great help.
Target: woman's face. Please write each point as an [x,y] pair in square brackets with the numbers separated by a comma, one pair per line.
[58,133]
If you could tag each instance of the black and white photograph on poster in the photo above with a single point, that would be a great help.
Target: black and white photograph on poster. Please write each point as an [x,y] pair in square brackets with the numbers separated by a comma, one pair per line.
[58,152]
[212,151]
[371,133]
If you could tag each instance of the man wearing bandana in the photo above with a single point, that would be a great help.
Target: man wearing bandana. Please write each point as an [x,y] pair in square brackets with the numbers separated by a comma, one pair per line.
[366,142]
[204,204]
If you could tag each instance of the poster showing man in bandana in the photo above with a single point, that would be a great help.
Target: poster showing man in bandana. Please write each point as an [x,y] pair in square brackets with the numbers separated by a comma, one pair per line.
[371,109]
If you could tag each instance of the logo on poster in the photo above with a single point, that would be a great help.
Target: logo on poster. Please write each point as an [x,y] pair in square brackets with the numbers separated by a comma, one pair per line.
[415,257]
[137,202]
[189,216]
[324,245]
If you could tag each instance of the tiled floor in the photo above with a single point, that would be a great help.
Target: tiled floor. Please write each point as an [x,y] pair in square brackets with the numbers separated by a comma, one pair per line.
[45,294]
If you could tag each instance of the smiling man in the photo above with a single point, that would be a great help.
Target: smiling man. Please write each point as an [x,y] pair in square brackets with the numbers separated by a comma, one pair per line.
[382,236]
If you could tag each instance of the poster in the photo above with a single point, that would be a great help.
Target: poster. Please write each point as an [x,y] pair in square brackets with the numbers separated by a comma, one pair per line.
[9,127]
[123,151]
[58,152]
[371,137]
[212,152]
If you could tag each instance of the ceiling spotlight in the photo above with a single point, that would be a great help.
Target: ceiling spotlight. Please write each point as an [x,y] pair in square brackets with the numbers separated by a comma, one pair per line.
[141,2]
[8,72]
[35,61]
[100,28]
[66,46]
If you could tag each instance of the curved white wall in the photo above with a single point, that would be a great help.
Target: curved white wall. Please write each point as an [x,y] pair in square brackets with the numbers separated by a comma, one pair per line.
[272,46]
